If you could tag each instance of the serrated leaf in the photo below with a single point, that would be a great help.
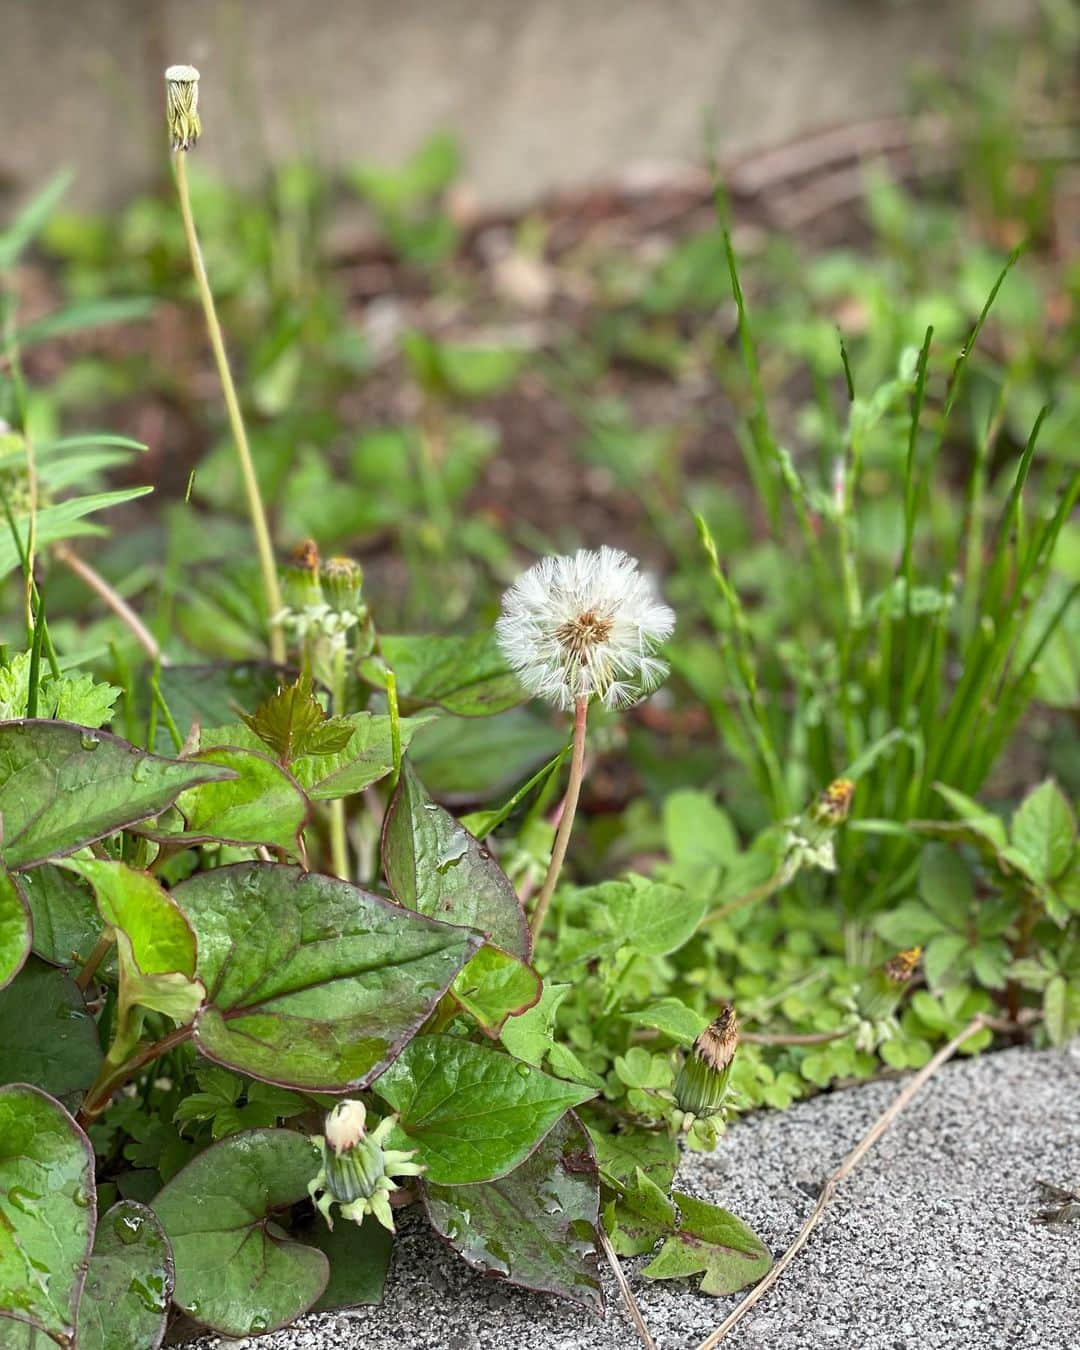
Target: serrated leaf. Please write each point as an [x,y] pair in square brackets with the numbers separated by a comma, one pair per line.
[292,722]
[464,675]
[640,1215]
[71,698]
[620,1155]
[435,866]
[1044,831]
[651,917]
[213,695]
[710,1240]
[14,928]
[311,982]
[125,1300]
[58,1047]
[236,1270]
[46,1211]
[474,1113]
[62,786]
[495,986]
[535,1227]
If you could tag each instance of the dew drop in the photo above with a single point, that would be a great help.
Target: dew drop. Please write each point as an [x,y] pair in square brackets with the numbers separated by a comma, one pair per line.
[22,1199]
[89,741]
[523,1070]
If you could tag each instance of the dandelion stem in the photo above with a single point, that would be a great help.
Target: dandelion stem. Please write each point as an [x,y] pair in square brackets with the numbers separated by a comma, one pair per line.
[236,421]
[339,846]
[566,821]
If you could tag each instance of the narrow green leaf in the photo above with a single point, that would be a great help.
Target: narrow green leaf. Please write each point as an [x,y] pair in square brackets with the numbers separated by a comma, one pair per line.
[46,1211]
[310,981]
[473,1112]
[129,1285]
[536,1227]
[58,1047]
[62,786]
[713,1241]
[31,218]
[236,1270]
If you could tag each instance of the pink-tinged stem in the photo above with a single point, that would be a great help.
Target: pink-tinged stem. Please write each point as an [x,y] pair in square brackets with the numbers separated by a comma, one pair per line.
[566,820]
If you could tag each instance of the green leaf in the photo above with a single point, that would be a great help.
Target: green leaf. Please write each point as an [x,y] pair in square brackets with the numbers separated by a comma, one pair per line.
[14,928]
[65,918]
[535,1227]
[529,1035]
[62,786]
[292,722]
[495,986]
[728,1253]
[910,924]
[46,1211]
[462,759]
[58,1047]
[464,675]
[72,698]
[359,1256]
[620,1155]
[311,982]
[1044,830]
[649,916]
[640,1215]
[155,944]
[261,804]
[65,520]
[945,885]
[31,218]
[943,959]
[699,837]
[473,1112]
[1061,1009]
[434,865]
[129,1285]
[213,694]
[672,1017]
[236,1270]
[983,823]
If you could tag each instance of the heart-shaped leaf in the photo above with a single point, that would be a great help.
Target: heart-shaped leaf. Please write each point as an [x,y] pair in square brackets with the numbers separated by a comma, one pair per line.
[14,928]
[494,986]
[536,1226]
[66,922]
[473,1112]
[434,865]
[62,786]
[236,1270]
[310,981]
[58,1047]
[359,1256]
[711,1240]
[125,1301]
[464,675]
[46,1211]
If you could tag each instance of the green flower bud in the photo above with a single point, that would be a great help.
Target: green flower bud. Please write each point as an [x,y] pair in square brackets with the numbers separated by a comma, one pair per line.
[701,1087]
[357,1170]
[343,581]
[879,996]
[301,587]
[182,106]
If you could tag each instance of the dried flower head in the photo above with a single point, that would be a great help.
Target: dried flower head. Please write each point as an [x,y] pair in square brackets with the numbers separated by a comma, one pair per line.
[585,626]
[701,1086]
[834,803]
[182,106]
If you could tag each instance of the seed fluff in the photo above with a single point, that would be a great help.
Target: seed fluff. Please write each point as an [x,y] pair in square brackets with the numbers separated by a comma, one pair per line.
[585,626]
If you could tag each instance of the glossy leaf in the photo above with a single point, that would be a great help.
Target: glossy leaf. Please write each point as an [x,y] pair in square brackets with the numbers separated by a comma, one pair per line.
[46,1211]
[125,1301]
[711,1240]
[261,804]
[464,675]
[530,1036]
[66,921]
[434,865]
[640,1215]
[213,694]
[359,1256]
[236,1270]
[62,786]
[536,1226]
[474,1113]
[14,928]
[58,1047]
[310,981]
[494,986]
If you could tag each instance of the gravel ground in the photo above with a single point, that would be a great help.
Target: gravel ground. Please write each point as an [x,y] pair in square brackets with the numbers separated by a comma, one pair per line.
[931,1243]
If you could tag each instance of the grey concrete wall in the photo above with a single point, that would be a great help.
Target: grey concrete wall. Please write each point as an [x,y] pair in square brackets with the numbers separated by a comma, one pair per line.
[545,93]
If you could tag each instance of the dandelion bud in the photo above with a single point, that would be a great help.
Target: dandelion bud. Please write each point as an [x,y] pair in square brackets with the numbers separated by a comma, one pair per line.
[300,584]
[833,805]
[343,581]
[879,997]
[182,106]
[357,1171]
[701,1086]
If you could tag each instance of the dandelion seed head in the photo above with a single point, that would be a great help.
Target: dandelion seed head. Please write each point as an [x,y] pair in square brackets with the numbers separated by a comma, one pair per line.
[586,625]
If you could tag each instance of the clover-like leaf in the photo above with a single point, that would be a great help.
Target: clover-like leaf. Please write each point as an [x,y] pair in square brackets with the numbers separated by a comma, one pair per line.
[474,1113]
[713,1241]
[310,981]
[63,786]
[125,1301]
[434,865]
[536,1226]
[46,1212]
[236,1270]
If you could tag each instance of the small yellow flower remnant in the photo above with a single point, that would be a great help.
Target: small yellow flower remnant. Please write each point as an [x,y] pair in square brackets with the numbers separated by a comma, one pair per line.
[182,106]
[358,1172]
[833,805]
[878,997]
[702,1084]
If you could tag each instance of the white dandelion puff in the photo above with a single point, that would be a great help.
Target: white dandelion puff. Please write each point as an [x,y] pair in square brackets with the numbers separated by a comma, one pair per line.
[585,626]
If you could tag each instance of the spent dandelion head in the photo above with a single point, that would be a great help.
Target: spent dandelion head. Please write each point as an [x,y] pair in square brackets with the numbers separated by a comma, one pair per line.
[585,626]
[182,106]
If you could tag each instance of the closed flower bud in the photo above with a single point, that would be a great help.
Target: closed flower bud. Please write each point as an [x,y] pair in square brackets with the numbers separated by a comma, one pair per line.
[833,805]
[301,585]
[358,1172]
[701,1087]
[879,996]
[343,582]
[182,106]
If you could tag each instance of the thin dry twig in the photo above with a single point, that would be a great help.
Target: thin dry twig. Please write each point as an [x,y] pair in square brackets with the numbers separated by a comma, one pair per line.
[624,1289]
[852,1160]
[113,599]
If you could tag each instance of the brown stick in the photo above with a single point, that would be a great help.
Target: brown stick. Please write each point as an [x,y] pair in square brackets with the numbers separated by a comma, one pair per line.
[115,601]
[852,1160]
[624,1289]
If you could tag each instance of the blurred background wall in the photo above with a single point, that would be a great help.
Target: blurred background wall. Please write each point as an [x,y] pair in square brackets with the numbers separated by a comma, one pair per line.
[543,93]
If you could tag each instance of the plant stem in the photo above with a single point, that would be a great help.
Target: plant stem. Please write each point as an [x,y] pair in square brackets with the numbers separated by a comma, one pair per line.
[104,942]
[113,599]
[566,821]
[259,526]
[852,1160]
[339,844]
[624,1289]
[100,1092]
[395,726]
